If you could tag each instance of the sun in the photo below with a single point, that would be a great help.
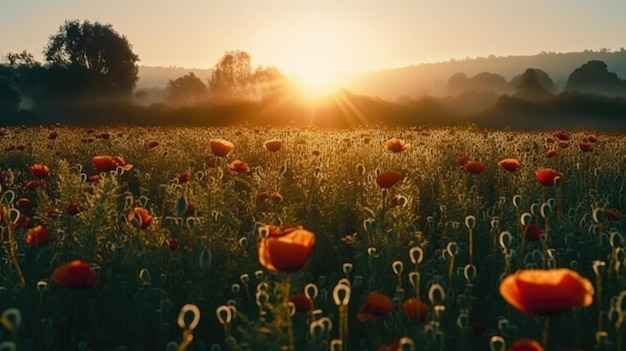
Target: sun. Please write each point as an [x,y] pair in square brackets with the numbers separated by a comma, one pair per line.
[314,76]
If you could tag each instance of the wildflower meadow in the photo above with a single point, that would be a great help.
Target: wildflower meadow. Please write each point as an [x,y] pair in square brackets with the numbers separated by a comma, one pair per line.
[303,239]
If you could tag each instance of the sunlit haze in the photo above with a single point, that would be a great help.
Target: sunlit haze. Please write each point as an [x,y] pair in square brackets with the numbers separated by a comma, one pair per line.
[320,40]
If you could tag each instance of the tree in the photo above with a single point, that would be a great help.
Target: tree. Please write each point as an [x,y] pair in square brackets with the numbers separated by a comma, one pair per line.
[231,77]
[10,98]
[534,85]
[457,83]
[268,83]
[186,90]
[95,56]
[594,77]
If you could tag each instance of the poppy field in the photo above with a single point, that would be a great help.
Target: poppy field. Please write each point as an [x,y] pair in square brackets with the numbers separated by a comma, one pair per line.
[132,238]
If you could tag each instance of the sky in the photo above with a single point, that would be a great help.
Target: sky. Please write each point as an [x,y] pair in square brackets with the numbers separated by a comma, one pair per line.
[325,37]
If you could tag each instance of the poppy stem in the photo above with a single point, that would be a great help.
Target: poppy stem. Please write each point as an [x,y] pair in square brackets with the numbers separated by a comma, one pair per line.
[546,329]
[287,287]
[12,248]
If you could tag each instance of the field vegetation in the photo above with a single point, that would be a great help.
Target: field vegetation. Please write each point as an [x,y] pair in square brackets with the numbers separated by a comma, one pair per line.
[307,239]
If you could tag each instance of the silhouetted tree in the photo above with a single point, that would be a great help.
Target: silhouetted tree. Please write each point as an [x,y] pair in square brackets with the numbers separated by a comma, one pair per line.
[457,84]
[10,98]
[22,58]
[231,77]
[186,90]
[268,83]
[93,58]
[543,78]
[594,77]
[486,81]
[534,85]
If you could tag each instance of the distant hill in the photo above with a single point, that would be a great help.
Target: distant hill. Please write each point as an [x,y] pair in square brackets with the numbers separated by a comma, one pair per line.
[431,78]
[157,77]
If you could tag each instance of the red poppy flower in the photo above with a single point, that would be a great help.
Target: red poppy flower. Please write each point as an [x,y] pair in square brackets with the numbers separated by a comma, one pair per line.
[76,274]
[144,216]
[613,214]
[546,292]
[190,211]
[416,310]
[152,144]
[38,170]
[21,146]
[286,249]
[53,135]
[72,208]
[221,147]
[238,166]
[585,147]
[273,145]
[210,161]
[510,164]
[38,236]
[303,304]
[396,145]
[172,244]
[551,153]
[184,177]
[106,163]
[561,135]
[388,179]
[23,203]
[376,306]
[474,167]
[462,160]
[32,185]
[548,176]
[532,232]
[592,138]
[94,178]
[526,345]
[104,136]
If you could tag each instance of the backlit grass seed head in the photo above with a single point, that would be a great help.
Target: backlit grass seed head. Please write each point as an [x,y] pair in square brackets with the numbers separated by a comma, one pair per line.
[224,314]
[311,291]
[341,294]
[184,321]
[416,255]
[347,268]
[397,267]
[436,294]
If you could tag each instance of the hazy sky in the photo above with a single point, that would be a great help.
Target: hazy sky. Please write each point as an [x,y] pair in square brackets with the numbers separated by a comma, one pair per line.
[340,35]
